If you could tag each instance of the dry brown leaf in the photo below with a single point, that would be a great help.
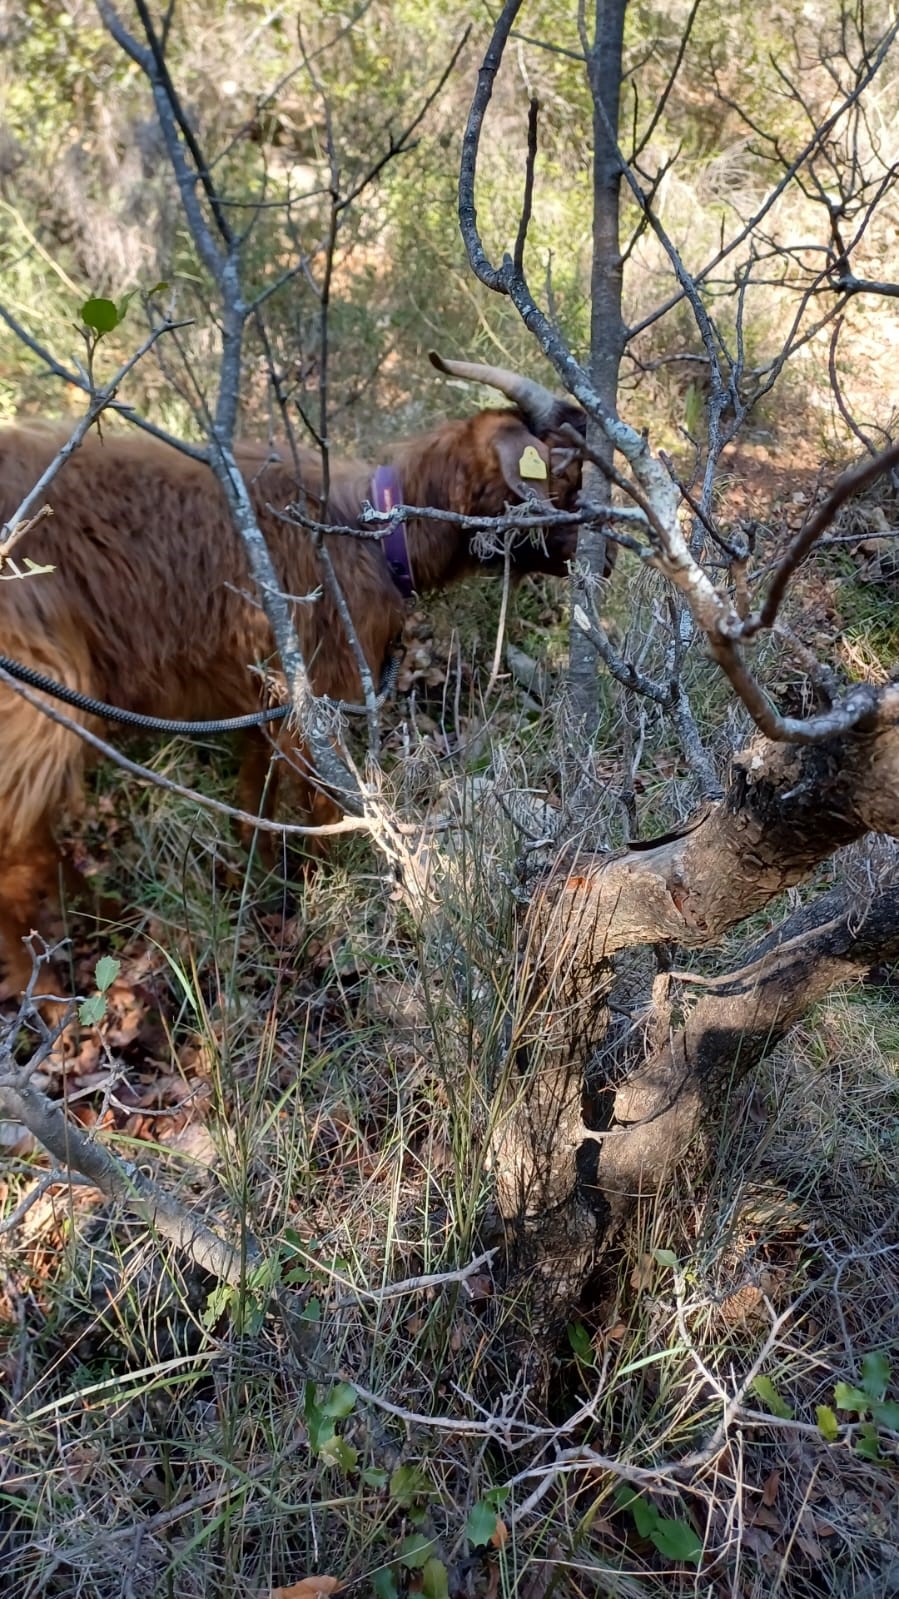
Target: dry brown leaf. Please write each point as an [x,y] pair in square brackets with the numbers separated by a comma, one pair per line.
[760,1542]
[769,1491]
[810,1548]
[479,1286]
[125,1014]
[643,1273]
[500,1534]
[542,1576]
[308,1588]
[765,1517]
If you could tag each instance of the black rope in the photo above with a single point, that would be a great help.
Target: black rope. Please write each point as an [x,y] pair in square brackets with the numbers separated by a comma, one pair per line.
[160,724]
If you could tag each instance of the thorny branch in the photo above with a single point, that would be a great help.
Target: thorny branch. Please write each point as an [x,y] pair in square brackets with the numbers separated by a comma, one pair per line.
[79,380]
[531,516]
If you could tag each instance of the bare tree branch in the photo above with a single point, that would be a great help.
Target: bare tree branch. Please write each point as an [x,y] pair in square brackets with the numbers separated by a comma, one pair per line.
[71,1147]
[850,483]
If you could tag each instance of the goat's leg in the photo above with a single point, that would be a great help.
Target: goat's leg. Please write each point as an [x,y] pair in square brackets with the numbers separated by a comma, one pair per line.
[302,800]
[28,876]
[267,769]
[257,793]
[308,806]
[41,775]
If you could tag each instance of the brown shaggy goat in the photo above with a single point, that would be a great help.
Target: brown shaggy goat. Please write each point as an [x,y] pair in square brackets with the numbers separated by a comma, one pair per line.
[146,605]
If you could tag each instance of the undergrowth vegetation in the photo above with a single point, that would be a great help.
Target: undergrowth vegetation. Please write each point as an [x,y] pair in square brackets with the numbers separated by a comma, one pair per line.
[296,1059]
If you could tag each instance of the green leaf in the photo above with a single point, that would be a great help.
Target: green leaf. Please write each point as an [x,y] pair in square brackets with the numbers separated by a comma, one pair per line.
[101,315]
[407,1484]
[374,1477]
[321,1431]
[125,301]
[91,1011]
[580,1341]
[336,1451]
[646,1517]
[677,1541]
[415,1551]
[481,1523]
[496,1497]
[434,1579]
[624,1495]
[867,1445]
[216,1304]
[340,1401]
[312,1310]
[886,1414]
[384,1583]
[297,1277]
[765,1390]
[665,1257]
[846,1397]
[875,1374]
[828,1426]
[107,970]
[158,288]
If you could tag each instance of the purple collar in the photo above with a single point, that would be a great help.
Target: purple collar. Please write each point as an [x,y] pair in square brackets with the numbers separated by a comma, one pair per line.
[386,492]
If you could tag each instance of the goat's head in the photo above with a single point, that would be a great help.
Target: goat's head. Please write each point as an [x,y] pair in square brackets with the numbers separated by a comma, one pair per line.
[523,454]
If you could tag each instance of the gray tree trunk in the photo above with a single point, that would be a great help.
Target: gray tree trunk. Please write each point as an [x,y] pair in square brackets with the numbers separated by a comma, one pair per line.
[604,67]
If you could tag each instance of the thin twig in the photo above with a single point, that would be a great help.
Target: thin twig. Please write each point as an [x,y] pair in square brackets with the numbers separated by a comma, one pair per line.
[850,483]
[501,623]
[528,201]
[411,1285]
[48,1179]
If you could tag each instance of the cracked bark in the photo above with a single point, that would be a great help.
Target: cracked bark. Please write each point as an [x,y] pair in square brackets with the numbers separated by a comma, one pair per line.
[569,1167]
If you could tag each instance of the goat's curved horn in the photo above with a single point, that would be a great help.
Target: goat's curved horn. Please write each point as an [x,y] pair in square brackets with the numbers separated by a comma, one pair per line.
[541,407]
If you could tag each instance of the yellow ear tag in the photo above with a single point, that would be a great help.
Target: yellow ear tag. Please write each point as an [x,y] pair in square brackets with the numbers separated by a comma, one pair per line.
[532,465]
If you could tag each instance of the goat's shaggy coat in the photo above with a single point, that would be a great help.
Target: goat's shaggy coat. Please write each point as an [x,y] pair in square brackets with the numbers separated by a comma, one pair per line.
[148,606]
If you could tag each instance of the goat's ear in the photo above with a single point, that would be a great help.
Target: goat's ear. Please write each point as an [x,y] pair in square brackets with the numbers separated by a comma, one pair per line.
[524,461]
